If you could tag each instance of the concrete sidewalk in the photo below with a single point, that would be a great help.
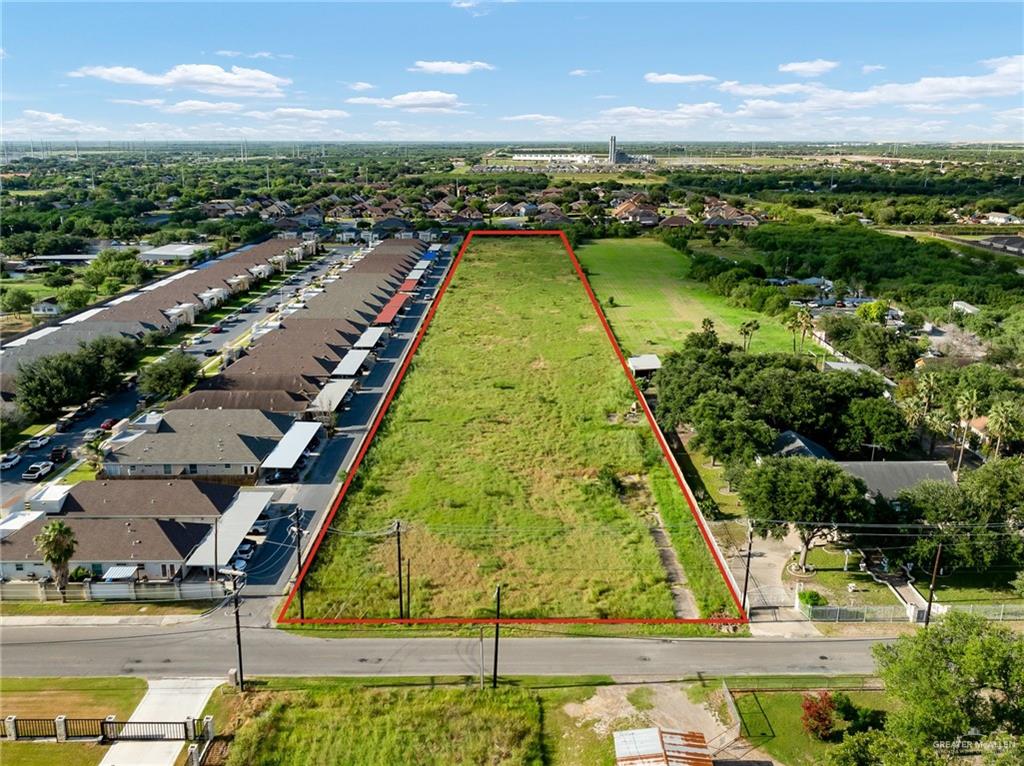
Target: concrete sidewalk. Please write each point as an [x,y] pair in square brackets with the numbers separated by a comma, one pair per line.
[168,699]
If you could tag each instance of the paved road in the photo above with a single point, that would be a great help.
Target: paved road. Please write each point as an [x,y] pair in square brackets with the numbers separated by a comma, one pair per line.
[207,648]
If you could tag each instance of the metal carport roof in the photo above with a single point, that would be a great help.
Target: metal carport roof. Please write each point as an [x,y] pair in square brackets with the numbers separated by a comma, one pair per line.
[371,337]
[288,451]
[332,396]
[351,364]
[233,525]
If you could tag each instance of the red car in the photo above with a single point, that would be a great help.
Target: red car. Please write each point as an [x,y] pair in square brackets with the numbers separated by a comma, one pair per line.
[216,329]
[107,424]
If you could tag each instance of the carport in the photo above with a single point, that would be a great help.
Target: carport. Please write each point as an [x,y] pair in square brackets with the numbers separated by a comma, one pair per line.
[288,451]
[352,364]
[333,396]
[421,265]
[390,311]
[371,338]
[228,531]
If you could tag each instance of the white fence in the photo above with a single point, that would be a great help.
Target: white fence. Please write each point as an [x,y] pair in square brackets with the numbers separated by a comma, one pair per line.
[113,591]
[907,613]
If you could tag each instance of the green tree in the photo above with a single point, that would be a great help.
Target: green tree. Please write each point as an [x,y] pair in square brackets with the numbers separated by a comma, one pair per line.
[1005,421]
[874,312]
[966,410]
[963,673]
[16,300]
[876,421]
[747,330]
[812,496]
[74,297]
[170,377]
[56,544]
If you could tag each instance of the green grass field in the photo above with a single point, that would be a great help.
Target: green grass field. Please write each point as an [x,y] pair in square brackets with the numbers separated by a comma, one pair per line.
[961,588]
[655,305]
[507,459]
[73,697]
[771,722]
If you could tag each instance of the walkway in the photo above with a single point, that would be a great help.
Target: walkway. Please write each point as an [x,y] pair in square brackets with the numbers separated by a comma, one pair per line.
[168,699]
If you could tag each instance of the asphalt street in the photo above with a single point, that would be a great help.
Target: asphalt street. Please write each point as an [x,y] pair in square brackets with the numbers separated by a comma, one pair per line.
[207,648]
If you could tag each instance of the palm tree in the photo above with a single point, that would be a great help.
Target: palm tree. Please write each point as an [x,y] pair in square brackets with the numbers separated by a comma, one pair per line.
[793,325]
[806,325]
[966,410]
[914,411]
[1004,420]
[936,422]
[56,544]
[747,330]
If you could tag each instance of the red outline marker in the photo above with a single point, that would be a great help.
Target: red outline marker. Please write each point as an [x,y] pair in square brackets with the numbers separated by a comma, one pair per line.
[310,557]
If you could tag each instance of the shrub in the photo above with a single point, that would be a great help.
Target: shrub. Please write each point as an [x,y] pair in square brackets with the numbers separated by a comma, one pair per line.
[819,714]
[812,598]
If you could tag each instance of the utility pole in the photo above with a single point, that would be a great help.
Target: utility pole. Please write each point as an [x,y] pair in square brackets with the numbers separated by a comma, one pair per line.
[238,632]
[297,517]
[931,586]
[497,628]
[746,575]
[398,536]
[216,526]
[408,588]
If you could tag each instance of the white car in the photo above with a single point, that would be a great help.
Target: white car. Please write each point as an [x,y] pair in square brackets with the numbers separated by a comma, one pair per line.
[92,434]
[260,528]
[39,441]
[37,471]
[9,460]
[245,550]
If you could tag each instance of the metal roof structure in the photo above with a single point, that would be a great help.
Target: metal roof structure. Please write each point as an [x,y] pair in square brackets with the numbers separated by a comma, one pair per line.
[352,363]
[121,573]
[390,311]
[332,396]
[659,747]
[234,524]
[644,363]
[422,263]
[288,451]
[408,286]
[416,274]
[371,337]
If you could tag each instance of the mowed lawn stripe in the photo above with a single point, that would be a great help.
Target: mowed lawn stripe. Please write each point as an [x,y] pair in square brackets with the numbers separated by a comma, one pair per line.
[507,458]
[655,305]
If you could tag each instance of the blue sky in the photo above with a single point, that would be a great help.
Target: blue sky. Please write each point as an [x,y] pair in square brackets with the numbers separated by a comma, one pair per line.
[514,71]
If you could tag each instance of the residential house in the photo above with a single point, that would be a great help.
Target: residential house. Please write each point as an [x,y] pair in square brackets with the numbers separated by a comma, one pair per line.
[46,307]
[888,478]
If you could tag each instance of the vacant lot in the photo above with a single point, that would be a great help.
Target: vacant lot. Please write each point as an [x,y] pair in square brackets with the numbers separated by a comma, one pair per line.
[651,305]
[507,457]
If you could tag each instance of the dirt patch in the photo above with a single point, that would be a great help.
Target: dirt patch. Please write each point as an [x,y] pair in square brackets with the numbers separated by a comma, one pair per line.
[667,706]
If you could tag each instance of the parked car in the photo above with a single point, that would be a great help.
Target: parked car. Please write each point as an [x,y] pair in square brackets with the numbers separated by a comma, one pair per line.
[260,528]
[38,442]
[37,471]
[9,460]
[245,550]
[282,476]
[271,309]
[92,435]
[108,424]
[59,454]
[216,330]
[211,352]
[247,310]
[63,425]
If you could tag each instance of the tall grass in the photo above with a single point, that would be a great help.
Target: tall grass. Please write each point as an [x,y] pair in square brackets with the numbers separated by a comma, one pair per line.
[506,457]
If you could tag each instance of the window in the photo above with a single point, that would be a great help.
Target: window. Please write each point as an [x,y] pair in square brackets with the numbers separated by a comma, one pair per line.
[192,468]
[19,567]
[167,469]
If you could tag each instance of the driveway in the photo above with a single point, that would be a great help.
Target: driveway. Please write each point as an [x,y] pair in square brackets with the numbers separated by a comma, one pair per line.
[168,699]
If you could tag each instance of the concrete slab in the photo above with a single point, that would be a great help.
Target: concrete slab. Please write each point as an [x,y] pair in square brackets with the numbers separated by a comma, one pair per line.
[167,699]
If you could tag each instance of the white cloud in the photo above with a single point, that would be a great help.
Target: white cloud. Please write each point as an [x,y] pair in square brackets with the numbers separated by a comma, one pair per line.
[182,107]
[681,116]
[414,101]
[3,54]
[299,113]
[538,118]
[668,78]
[870,68]
[450,67]
[944,108]
[386,124]
[605,97]
[205,78]
[256,55]
[814,68]
[138,101]
[583,72]
[474,7]
[765,109]
[201,107]
[35,123]
[360,86]
[736,88]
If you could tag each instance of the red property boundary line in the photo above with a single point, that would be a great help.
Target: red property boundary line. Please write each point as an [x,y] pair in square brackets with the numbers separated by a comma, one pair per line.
[311,554]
